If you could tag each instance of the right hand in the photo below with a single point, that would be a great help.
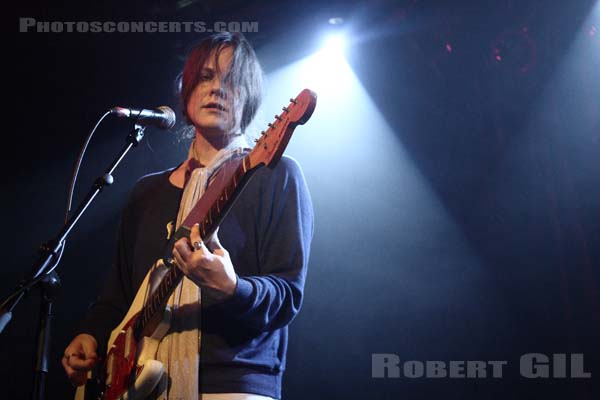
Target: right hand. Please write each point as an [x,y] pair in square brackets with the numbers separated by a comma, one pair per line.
[80,357]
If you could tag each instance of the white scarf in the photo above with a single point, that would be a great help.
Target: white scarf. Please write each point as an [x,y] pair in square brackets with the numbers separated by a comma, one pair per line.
[179,350]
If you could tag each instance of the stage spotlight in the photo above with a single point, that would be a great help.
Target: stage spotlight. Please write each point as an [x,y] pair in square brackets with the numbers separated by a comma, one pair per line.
[334,44]
[336,21]
[328,69]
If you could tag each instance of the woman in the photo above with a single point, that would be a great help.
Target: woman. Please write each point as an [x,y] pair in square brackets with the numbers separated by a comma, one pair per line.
[245,285]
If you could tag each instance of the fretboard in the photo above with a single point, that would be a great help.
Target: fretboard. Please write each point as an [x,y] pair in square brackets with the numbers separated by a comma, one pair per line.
[210,210]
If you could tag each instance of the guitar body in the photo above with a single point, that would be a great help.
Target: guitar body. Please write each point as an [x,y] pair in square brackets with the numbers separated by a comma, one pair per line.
[130,371]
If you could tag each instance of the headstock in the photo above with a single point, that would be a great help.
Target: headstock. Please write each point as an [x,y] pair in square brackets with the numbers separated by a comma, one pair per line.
[273,141]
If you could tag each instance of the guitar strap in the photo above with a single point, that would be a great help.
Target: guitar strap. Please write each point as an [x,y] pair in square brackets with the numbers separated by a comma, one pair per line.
[179,350]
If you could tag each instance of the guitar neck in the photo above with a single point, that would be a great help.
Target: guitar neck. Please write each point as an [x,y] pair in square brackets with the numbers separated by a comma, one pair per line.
[209,212]
[224,189]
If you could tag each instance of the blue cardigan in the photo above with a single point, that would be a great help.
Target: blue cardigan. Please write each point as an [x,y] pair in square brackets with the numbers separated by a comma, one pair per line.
[267,233]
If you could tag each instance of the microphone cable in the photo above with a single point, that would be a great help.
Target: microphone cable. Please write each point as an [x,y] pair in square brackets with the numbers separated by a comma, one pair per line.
[57,257]
[73,183]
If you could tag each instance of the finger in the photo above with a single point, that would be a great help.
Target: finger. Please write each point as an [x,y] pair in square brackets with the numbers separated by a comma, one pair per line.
[65,365]
[181,264]
[183,247]
[76,377]
[215,245]
[72,352]
[81,364]
[217,249]
[213,236]
[195,233]
[89,349]
[197,242]
[200,247]
[214,239]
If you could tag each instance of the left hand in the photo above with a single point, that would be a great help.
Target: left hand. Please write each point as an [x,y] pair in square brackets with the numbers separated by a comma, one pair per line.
[209,269]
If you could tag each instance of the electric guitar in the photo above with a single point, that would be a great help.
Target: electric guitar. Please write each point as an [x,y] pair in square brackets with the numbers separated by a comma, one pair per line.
[130,370]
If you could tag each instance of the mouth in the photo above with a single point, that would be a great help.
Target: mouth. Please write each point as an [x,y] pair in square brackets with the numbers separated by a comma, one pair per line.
[214,106]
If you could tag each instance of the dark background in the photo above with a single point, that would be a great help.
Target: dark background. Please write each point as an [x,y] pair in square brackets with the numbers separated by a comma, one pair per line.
[503,126]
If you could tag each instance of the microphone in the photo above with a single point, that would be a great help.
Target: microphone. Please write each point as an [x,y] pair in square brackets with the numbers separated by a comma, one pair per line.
[162,117]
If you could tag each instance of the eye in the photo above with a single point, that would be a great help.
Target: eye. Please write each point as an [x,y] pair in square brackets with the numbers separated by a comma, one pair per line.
[206,76]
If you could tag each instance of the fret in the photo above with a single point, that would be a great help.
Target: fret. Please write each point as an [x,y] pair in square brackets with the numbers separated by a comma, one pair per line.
[156,300]
[210,216]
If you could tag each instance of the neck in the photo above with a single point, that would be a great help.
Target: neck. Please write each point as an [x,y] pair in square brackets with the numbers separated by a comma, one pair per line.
[207,146]
[204,151]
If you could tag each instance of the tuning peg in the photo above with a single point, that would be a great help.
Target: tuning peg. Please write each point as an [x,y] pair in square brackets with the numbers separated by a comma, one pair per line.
[256,140]
[285,109]
[293,101]
[270,125]
[278,118]
[262,133]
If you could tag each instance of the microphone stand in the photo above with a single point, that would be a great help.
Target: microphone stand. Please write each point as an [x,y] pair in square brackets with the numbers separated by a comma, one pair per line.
[43,271]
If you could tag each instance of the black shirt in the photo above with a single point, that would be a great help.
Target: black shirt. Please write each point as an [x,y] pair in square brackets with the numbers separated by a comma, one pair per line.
[267,234]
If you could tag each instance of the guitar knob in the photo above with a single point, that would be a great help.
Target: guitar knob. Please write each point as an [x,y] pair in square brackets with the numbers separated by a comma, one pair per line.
[285,109]
[278,118]
[293,101]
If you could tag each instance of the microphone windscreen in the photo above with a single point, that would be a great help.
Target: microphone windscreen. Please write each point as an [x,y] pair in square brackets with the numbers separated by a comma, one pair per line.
[169,117]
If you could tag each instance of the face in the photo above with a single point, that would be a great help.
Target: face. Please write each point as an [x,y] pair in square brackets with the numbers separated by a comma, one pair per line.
[211,106]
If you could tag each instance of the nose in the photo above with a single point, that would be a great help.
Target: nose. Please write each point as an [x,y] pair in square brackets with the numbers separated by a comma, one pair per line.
[217,88]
